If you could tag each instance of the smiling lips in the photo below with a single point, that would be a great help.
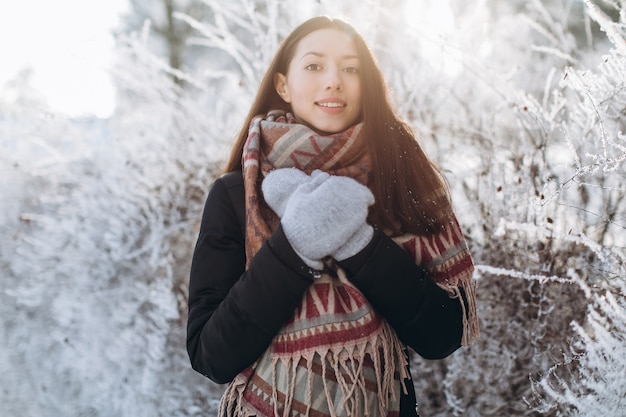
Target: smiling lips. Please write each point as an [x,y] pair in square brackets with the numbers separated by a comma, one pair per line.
[331,106]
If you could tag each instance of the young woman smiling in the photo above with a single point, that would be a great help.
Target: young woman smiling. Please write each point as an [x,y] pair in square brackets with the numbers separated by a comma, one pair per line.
[328,246]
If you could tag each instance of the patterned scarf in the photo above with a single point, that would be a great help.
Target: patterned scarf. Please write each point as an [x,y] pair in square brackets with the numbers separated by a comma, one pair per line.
[336,356]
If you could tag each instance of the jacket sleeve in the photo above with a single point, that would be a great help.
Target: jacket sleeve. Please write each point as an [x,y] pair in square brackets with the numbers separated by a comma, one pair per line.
[422,314]
[235,313]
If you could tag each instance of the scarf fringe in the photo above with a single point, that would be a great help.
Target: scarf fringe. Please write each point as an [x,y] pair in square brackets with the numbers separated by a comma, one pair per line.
[346,364]
[471,327]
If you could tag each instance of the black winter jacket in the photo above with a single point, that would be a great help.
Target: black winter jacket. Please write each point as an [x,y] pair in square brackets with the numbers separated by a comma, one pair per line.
[234,314]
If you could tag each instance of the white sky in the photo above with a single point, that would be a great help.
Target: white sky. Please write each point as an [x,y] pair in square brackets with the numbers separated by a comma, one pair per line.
[68,45]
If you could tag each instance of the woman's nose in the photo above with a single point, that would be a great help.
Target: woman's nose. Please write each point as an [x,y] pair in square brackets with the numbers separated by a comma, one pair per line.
[333,80]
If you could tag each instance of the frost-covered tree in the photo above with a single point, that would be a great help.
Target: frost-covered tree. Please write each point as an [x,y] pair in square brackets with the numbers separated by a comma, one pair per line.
[550,203]
[80,323]
[591,379]
[169,36]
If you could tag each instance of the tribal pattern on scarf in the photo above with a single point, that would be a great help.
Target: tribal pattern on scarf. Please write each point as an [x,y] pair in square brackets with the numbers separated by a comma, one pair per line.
[336,356]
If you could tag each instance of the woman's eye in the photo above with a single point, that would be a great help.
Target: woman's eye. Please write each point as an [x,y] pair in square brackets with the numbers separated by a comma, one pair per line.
[351,70]
[313,67]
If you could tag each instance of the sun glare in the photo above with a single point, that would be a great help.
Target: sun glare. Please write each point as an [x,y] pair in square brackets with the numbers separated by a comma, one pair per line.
[432,22]
[67,44]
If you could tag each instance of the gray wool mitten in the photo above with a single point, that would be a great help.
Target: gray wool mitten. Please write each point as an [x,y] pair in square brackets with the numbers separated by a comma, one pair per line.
[357,242]
[327,216]
[278,186]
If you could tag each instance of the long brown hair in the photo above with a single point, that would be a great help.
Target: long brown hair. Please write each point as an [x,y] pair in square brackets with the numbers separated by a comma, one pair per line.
[410,192]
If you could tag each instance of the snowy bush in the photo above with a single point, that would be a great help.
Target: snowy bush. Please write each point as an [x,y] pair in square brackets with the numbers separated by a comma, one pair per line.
[82,324]
[551,248]
[592,379]
[94,285]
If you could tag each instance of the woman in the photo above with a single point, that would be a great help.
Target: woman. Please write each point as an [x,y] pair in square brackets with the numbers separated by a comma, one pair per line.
[327,247]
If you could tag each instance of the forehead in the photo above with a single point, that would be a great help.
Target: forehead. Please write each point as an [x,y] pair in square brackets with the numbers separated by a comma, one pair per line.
[326,42]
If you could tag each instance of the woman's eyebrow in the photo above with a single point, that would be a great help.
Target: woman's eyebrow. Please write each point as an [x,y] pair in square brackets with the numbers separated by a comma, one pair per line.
[321,55]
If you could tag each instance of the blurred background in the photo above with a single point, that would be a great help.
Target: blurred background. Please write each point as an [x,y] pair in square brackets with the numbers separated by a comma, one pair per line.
[115,118]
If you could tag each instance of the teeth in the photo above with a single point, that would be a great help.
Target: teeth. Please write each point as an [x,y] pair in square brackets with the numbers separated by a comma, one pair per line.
[331,104]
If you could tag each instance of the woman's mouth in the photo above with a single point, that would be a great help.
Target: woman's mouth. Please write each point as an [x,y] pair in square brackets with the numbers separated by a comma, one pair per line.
[331,104]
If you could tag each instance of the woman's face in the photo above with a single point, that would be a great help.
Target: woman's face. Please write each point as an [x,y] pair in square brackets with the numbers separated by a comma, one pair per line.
[322,84]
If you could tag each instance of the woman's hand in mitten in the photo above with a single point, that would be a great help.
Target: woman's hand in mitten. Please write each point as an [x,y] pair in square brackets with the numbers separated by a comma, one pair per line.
[355,244]
[323,214]
[278,186]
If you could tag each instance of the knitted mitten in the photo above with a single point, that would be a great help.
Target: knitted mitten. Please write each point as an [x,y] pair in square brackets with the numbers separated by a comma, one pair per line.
[357,242]
[327,216]
[278,186]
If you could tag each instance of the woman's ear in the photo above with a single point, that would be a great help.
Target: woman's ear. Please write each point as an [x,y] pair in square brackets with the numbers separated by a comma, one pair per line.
[280,84]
